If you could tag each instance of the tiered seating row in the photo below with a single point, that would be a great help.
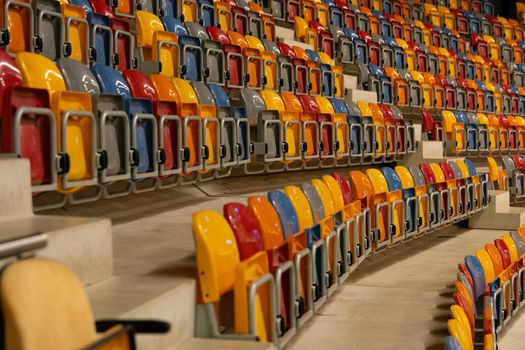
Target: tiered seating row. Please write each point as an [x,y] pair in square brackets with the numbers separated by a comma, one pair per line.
[111,98]
[281,256]
[448,62]
[488,293]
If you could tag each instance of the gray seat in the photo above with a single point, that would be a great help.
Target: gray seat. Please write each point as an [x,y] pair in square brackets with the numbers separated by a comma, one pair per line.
[265,131]
[49,29]
[214,62]
[519,242]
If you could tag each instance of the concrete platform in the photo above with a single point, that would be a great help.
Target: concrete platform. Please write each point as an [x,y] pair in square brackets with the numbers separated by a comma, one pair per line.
[356,95]
[397,300]
[499,214]
[82,243]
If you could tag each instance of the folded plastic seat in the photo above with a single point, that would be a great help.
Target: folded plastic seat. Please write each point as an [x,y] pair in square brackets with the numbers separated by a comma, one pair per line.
[76,136]
[27,125]
[222,272]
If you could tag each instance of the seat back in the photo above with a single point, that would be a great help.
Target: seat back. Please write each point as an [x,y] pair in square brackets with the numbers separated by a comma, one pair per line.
[303,209]
[217,255]
[268,220]
[361,188]
[286,212]
[100,39]
[478,276]
[345,188]
[486,263]
[495,257]
[44,304]
[518,240]
[316,203]
[245,228]
[504,251]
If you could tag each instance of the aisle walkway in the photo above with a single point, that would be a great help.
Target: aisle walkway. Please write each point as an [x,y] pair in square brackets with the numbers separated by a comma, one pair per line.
[399,300]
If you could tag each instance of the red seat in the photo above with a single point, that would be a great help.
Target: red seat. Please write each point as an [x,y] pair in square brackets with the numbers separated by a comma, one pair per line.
[504,251]
[345,188]
[123,45]
[35,131]
[233,54]
[310,106]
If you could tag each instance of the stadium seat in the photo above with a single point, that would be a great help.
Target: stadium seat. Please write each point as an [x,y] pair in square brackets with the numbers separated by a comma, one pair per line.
[279,227]
[339,131]
[49,29]
[374,133]
[415,205]
[113,126]
[48,296]
[436,185]
[221,271]
[16,27]
[480,182]
[265,129]
[214,150]
[234,129]
[100,48]
[75,124]
[321,204]
[76,45]
[270,78]
[446,178]
[253,63]
[123,45]
[321,270]
[394,198]
[516,179]
[158,49]
[34,127]
[143,127]
[434,202]
[363,190]
[291,130]
[248,234]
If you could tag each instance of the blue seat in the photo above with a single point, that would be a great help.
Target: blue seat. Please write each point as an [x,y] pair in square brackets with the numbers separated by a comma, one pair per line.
[173,25]
[206,13]
[327,77]
[451,343]
[379,82]
[483,179]
[478,277]
[101,51]
[168,8]
[409,196]
[360,48]
[143,124]
[336,15]
[84,4]
[399,54]
[286,213]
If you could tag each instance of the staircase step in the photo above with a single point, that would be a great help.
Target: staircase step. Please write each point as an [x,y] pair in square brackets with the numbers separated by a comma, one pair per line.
[499,215]
[218,344]
[356,95]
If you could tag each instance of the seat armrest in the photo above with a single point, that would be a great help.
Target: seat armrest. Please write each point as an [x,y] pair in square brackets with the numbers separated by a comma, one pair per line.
[137,326]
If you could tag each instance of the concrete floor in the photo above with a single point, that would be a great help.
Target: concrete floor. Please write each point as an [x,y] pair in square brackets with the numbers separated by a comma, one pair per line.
[398,299]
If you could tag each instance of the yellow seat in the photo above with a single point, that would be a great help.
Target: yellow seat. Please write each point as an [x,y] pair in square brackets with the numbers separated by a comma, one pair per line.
[513,249]
[305,33]
[396,205]
[455,132]
[252,60]
[157,45]
[78,141]
[77,30]
[269,63]
[224,15]
[456,329]
[460,315]
[188,105]
[486,264]
[44,307]
[291,125]
[222,272]
[18,21]
[339,128]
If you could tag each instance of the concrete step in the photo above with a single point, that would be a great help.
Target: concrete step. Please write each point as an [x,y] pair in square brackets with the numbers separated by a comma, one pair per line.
[284,33]
[499,215]
[356,95]
[159,295]
[216,344]
[292,42]
[83,244]
[350,82]
[427,151]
